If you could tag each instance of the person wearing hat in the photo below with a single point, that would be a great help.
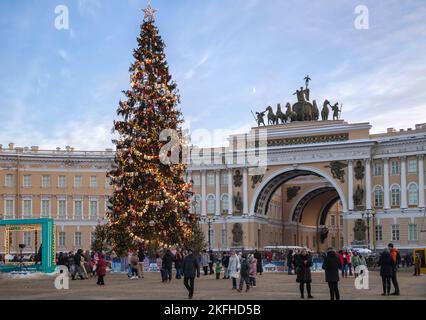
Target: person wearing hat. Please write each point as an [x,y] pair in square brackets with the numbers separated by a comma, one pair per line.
[190,268]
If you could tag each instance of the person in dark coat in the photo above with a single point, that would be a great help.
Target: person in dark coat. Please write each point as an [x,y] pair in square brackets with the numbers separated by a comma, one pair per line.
[77,265]
[212,260]
[225,264]
[386,271]
[178,264]
[101,269]
[303,271]
[331,267]
[290,262]
[190,268]
[168,265]
[258,256]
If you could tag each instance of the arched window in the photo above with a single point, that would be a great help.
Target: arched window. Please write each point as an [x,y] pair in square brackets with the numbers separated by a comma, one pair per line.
[196,203]
[225,203]
[210,203]
[395,195]
[413,193]
[378,196]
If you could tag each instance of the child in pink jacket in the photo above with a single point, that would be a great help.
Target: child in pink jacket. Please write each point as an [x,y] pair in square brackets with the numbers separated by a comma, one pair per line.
[253,271]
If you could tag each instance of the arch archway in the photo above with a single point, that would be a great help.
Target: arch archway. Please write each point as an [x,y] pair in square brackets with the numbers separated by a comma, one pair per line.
[262,196]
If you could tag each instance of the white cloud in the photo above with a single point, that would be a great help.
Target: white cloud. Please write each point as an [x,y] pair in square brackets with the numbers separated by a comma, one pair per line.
[64,55]
[89,7]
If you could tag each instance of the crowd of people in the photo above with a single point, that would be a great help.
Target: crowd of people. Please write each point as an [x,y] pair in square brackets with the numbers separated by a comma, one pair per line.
[242,268]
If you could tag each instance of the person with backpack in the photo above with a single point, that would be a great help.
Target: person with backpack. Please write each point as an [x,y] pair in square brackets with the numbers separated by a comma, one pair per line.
[244,273]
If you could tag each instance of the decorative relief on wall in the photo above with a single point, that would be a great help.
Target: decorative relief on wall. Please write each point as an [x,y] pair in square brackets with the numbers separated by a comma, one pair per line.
[255,180]
[292,192]
[359,170]
[238,202]
[238,179]
[358,196]
[237,235]
[337,170]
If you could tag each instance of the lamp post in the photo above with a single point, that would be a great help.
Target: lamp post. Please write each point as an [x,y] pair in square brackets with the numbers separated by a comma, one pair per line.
[209,221]
[368,213]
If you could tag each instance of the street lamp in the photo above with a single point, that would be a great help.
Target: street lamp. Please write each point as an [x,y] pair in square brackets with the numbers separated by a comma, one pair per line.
[209,223]
[368,213]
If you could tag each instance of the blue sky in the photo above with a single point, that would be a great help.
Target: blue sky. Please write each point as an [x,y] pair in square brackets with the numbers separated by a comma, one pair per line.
[61,88]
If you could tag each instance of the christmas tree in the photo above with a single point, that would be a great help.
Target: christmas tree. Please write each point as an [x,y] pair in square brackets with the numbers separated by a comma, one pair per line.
[150,202]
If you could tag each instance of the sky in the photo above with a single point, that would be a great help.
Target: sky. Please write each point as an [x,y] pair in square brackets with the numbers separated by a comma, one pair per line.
[228,57]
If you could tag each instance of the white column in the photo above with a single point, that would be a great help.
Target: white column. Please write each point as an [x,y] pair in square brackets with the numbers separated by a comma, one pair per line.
[421,181]
[350,186]
[230,193]
[217,173]
[245,191]
[203,193]
[386,204]
[368,184]
[403,183]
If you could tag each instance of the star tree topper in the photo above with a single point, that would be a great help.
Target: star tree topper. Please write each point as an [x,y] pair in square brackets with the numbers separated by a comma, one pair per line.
[149,13]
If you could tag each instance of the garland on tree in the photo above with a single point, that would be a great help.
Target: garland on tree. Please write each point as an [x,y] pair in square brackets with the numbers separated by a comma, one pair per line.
[150,202]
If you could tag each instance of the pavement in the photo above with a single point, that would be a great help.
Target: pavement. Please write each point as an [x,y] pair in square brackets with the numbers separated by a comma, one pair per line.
[270,286]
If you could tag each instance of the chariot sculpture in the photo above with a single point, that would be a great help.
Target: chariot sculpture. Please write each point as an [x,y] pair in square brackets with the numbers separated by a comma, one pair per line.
[302,110]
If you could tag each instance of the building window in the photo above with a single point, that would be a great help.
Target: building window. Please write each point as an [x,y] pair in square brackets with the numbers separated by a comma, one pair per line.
[378,196]
[27,181]
[412,166]
[45,208]
[9,208]
[62,239]
[212,240]
[341,221]
[210,179]
[92,237]
[196,180]
[77,239]
[8,180]
[377,169]
[62,209]
[333,220]
[224,179]
[62,182]
[413,193]
[45,181]
[333,242]
[394,168]
[27,239]
[395,232]
[225,203]
[210,204]
[341,242]
[27,208]
[78,181]
[413,234]
[196,202]
[224,238]
[93,182]
[395,195]
[93,209]
[78,209]
[379,233]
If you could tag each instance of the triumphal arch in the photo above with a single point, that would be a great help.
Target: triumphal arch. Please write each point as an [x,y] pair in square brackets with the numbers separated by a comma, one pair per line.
[305,177]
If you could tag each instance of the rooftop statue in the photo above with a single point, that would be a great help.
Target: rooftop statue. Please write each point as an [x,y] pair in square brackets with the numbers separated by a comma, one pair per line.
[302,110]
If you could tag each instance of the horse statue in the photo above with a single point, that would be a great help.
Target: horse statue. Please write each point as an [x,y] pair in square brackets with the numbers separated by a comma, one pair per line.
[291,115]
[303,110]
[325,111]
[280,115]
[315,111]
[272,118]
